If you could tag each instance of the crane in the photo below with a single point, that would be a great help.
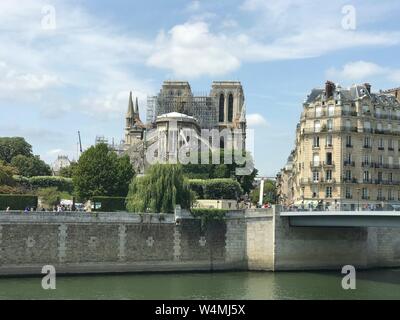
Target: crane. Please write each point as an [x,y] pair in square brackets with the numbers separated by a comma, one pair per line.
[80,141]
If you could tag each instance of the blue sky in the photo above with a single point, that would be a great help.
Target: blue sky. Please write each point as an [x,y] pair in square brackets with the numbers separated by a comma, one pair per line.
[77,75]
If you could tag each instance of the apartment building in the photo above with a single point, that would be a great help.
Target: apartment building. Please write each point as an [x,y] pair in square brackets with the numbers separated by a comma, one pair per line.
[347,150]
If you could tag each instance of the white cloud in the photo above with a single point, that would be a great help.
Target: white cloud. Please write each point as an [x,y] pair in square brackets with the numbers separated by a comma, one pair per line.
[191,50]
[363,70]
[256,120]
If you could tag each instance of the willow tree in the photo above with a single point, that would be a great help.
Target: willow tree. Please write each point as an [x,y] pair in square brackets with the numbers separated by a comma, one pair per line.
[160,190]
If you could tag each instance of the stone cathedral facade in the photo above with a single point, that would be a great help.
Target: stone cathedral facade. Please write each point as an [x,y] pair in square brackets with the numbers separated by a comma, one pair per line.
[222,108]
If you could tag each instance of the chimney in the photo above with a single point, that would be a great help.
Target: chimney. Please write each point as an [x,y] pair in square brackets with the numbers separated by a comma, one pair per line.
[368,87]
[329,88]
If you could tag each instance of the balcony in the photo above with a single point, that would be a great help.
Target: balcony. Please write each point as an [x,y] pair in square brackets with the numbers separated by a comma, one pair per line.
[367,164]
[391,149]
[381,148]
[349,180]
[328,164]
[349,145]
[367,181]
[368,130]
[349,163]
[364,197]
[366,146]
[315,164]
[380,198]
[349,196]
[349,113]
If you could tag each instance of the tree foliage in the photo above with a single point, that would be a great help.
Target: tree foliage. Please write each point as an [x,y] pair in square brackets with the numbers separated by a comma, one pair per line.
[11,147]
[30,166]
[269,193]
[160,190]
[50,196]
[100,172]
[68,172]
[227,168]
[7,183]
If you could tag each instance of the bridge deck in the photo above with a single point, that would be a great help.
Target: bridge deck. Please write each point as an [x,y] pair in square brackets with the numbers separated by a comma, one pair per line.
[343,218]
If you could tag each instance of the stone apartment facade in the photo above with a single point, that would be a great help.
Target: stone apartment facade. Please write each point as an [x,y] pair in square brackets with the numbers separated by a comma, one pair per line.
[347,150]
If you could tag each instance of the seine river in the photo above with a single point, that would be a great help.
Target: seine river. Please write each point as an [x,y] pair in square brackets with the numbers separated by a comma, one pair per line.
[375,284]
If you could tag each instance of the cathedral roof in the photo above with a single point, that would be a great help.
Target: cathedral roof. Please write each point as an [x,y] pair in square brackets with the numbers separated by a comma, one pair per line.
[130,113]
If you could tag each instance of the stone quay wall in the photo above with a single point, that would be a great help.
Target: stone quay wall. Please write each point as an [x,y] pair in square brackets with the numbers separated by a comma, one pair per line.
[124,242]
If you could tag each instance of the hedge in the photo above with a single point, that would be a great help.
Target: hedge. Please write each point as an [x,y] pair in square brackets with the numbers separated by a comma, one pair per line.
[216,188]
[61,183]
[17,201]
[197,186]
[109,204]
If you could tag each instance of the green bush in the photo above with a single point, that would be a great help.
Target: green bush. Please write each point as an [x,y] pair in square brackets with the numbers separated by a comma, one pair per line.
[17,201]
[109,204]
[216,188]
[207,215]
[197,186]
[61,183]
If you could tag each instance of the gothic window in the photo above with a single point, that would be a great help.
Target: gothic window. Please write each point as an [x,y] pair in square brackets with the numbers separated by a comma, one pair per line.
[230,108]
[221,107]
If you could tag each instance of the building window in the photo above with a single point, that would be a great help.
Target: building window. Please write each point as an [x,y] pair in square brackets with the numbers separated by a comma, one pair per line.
[381,144]
[316,142]
[318,112]
[330,124]
[348,175]
[390,195]
[221,108]
[366,176]
[329,140]
[317,126]
[315,176]
[230,108]
[329,158]
[348,193]
[348,141]
[314,191]
[365,193]
[367,142]
[328,192]
[379,176]
[390,177]
[328,175]
[331,110]
[316,159]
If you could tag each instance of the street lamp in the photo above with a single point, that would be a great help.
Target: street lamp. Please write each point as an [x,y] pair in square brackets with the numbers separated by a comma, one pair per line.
[358,199]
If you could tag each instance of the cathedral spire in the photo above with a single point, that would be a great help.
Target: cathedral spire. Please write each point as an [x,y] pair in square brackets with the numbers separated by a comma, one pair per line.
[130,112]
[136,107]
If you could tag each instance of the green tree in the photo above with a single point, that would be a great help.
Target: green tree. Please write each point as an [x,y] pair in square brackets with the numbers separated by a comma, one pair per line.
[160,190]
[68,172]
[100,172]
[30,166]
[269,193]
[7,183]
[49,196]
[11,147]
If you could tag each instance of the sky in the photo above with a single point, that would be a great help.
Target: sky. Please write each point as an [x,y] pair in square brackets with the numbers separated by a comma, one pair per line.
[69,65]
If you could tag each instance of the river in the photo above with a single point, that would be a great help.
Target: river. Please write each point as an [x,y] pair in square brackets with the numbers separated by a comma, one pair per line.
[372,284]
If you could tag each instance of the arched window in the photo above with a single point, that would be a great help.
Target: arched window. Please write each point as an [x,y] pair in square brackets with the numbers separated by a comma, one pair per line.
[221,107]
[230,108]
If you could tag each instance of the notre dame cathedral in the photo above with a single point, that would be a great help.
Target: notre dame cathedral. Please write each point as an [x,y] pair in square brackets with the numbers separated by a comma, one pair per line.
[223,108]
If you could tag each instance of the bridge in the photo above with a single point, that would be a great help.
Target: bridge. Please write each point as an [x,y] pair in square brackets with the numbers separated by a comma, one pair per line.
[343,218]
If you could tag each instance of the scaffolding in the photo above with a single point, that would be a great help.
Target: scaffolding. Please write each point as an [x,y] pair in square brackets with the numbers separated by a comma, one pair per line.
[201,107]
